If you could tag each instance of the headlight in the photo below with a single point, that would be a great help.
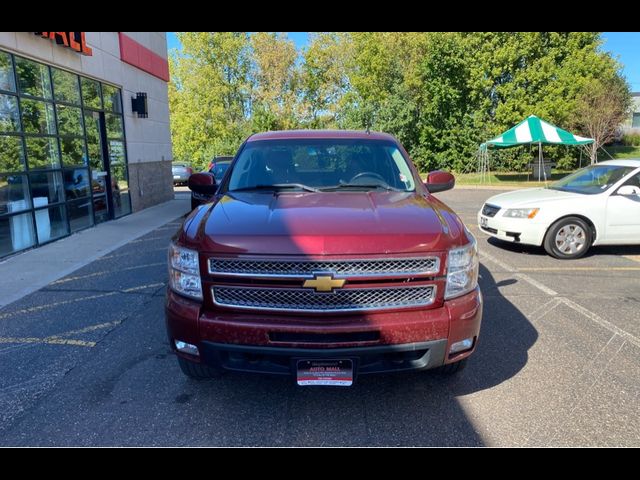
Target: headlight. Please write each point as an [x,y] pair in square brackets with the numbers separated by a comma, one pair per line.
[521,212]
[184,272]
[462,270]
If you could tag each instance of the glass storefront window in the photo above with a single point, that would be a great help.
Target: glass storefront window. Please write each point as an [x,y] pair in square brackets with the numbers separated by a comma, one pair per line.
[9,115]
[14,194]
[65,86]
[91,96]
[42,152]
[111,96]
[7,80]
[52,166]
[16,233]
[33,78]
[72,150]
[38,117]
[76,183]
[79,214]
[94,145]
[46,188]
[116,152]
[11,154]
[69,120]
[114,125]
[51,223]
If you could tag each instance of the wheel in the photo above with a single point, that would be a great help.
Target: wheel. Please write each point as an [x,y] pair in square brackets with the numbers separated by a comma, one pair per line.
[452,368]
[568,238]
[198,371]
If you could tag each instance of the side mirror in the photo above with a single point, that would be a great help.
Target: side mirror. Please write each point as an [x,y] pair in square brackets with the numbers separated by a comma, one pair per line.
[439,181]
[203,183]
[629,191]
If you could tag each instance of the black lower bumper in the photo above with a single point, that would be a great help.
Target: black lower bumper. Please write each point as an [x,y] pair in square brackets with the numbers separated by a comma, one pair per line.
[279,360]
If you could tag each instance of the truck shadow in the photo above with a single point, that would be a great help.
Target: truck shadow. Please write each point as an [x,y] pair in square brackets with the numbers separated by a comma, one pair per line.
[402,409]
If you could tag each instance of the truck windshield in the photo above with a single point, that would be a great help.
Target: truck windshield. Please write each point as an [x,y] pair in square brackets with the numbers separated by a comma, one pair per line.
[591,180]
[321,164]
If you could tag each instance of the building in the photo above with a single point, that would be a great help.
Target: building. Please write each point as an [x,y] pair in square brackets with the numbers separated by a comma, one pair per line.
[84,131]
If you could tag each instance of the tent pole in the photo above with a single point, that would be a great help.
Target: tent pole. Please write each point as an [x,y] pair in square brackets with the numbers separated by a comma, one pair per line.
[602,148]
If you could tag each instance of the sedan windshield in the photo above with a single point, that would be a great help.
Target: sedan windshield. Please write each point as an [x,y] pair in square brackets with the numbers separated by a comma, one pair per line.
[321,164]
[591,180]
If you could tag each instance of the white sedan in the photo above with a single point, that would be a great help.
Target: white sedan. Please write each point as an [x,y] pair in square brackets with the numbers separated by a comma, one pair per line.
[596,205]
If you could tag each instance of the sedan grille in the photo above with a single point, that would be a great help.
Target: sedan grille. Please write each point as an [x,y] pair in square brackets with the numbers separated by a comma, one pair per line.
[303,268]
[345,300]
[489,210]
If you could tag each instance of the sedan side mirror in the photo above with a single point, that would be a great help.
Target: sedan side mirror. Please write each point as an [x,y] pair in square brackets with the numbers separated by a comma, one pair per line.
[629,191]
[203,183]
[439,181]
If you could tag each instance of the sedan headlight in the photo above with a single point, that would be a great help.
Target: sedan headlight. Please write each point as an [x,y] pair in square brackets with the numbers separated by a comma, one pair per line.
[184,272]
[521,212]
[462,270]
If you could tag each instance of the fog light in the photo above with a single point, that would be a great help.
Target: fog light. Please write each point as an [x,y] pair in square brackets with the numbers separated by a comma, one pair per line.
[187,348]
[465,344]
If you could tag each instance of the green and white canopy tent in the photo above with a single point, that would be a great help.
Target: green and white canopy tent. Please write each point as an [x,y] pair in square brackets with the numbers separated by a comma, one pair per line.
[530,131]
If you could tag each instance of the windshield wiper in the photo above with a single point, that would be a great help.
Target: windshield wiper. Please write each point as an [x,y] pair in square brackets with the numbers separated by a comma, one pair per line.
[360,185]
[278,186]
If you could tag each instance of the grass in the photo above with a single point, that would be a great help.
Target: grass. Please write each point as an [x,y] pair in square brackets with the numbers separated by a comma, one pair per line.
[620,152]
[505,179]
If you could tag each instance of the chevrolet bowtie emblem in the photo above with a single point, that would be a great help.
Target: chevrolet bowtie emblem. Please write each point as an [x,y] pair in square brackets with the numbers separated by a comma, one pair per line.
[323,283]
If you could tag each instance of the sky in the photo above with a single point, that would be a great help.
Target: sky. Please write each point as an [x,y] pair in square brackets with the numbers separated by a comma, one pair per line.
[625,46]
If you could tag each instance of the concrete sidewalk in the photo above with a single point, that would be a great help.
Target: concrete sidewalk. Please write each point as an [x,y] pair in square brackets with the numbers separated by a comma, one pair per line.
[30,271]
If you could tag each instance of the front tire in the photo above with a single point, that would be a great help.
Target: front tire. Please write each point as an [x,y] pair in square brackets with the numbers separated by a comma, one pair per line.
[452,368]
[569,238]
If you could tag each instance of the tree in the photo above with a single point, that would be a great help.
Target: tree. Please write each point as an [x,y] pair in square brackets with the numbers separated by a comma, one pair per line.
[324,79]
[601,108]
[275,82]
[209,95]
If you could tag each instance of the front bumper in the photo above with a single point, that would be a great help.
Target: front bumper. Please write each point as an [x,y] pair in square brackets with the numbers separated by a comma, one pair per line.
[414,339]
[517,230]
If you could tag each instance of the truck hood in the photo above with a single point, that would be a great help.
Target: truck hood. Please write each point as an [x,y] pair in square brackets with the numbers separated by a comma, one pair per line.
[327,223]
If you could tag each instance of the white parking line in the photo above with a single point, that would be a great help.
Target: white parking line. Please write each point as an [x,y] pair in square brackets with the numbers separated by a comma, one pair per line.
[570,303]
[523,276]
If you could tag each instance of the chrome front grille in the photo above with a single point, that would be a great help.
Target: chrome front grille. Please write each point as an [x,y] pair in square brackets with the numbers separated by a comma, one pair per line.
[344,300]
[398,267]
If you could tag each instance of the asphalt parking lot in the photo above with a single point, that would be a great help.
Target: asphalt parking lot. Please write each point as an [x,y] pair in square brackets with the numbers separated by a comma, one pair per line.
[85,361]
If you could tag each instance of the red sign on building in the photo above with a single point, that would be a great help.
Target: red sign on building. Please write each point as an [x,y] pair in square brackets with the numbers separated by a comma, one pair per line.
[74,40]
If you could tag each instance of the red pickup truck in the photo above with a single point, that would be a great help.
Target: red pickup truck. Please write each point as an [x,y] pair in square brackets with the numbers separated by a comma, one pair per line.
[322,255]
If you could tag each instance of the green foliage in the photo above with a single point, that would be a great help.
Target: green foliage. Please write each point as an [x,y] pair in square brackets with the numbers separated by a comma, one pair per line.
[440,93]
[631,139]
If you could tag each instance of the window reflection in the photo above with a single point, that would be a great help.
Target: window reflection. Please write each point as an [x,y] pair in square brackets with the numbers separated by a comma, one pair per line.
[14,194]
[69,120]
[46,188]
[9,116]
[91,93]
[7,81]
[42,152]
[11,154]
[33,78]
[65,86]
[37,117]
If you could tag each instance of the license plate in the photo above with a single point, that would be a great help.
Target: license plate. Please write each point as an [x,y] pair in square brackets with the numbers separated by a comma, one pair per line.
[176,176]
[325,372]
[483,222]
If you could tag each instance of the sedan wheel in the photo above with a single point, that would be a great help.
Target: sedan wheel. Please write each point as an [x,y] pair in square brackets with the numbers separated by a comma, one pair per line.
[568,238]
